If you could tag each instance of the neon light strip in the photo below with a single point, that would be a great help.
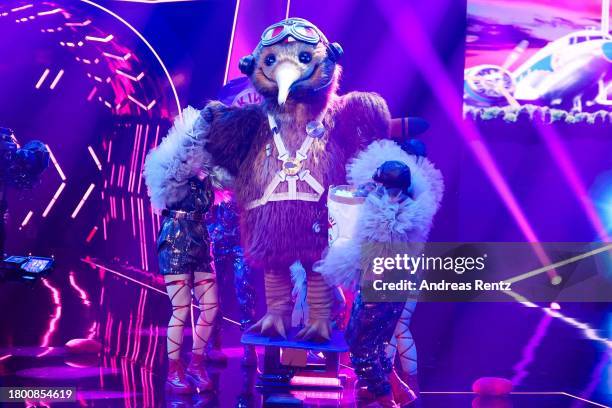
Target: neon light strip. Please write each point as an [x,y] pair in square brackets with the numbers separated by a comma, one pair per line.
[27,6]
[142,105]
[144,40]
[104,228]
[133,217]
[95,157]
[42,78]
[131,177]
[129,336]
[322,381]
[123,217]
[54,199]
[91,233]
[156,136]
[57,301]
[6,357]
[27,219]
[117,57]
[154,348]
[57,79]
[85,197]
[82,24]
[82,293]
[112,175]
[121,175]
[49,12]
[92,93]
[99,39]
[131,77]
[144,154]
[56,164]
[288,7]
[110,148]
[231,44]
[153,230]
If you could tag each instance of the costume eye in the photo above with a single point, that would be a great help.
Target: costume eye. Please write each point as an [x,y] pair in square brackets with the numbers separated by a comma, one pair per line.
[270,59]
[305,57]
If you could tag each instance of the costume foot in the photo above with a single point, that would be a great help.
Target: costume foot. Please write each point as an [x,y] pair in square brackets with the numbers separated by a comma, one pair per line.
[196,371]
[272,325]
[216,356]
[249,357]
[176,382]
[366,399]
[402,393]
[317,330]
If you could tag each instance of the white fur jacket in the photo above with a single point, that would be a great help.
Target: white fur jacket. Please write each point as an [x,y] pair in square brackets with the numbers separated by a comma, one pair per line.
[385,227]
[179,157]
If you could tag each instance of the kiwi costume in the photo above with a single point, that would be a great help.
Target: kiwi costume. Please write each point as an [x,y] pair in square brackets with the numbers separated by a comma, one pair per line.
[283,155]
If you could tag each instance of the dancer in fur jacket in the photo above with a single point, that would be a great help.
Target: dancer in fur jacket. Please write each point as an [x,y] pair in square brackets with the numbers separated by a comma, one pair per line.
[395,218]
[181,190]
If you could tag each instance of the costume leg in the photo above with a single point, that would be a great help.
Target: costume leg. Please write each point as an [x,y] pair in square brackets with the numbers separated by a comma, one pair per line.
[205,291]
[402,344]
[179,291]
[320,298]
[277,319]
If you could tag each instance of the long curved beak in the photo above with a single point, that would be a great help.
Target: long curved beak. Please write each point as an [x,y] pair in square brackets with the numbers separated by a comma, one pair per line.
[285,75]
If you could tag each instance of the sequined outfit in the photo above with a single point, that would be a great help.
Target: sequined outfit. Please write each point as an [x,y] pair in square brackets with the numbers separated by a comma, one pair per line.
[183,244]
[369,330]
[223,222]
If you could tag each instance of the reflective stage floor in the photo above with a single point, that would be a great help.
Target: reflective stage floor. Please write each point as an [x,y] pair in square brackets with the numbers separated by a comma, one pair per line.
[556,358]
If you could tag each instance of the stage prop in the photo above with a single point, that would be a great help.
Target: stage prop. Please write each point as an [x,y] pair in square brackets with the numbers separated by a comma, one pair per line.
[286,365]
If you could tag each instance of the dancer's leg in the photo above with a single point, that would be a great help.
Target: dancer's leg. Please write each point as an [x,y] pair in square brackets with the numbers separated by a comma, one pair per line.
[402,344]
[179,291]
[205,292]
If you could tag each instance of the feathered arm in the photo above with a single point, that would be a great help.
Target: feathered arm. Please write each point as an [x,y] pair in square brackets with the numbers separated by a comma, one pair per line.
[363,117]
[214,140]
[232,130]
[179,156]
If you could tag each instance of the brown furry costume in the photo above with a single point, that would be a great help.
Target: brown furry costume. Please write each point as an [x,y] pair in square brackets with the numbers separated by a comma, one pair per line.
[239,139]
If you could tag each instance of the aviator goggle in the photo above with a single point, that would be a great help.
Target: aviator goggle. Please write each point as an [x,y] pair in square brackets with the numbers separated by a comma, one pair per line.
[298,28]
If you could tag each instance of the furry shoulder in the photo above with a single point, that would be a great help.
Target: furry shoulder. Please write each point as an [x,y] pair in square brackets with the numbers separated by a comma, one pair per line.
[179,156]
[363,117]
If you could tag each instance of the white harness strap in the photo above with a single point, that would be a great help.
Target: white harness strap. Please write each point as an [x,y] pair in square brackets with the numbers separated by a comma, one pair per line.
[292,172]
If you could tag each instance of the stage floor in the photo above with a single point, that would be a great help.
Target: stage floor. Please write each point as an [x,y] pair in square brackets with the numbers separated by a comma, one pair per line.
[556,358]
